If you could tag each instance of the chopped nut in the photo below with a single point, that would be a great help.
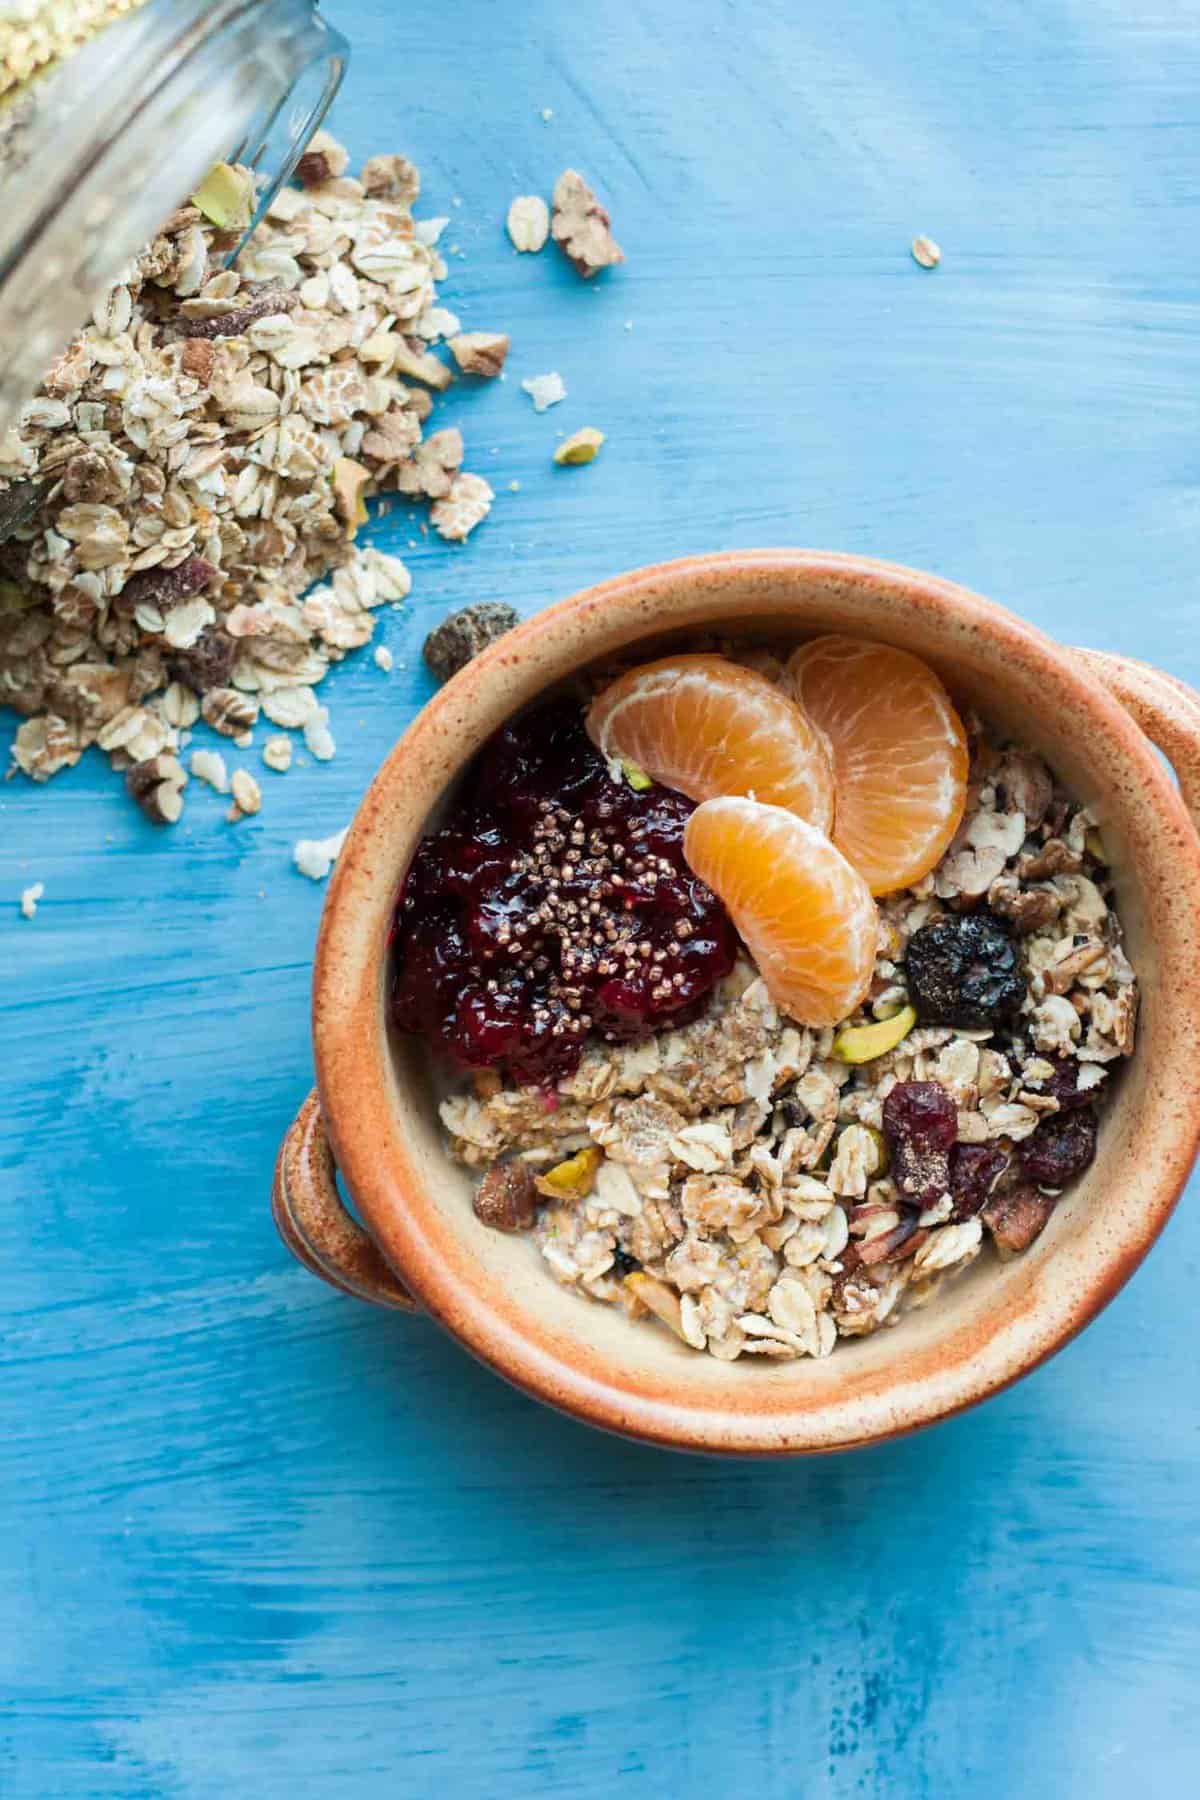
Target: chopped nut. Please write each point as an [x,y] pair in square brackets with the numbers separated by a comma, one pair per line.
[157,785]
[582,227]
[229,711]
[209,766]
[573,1179]
[506,1198]
[528,222]
[580,447]
[1017,1216]
[432,466]
[277,754]
[480,352]
[420,365]
[863,1043]
[350,480]
[926,252]
[463,634]
[226,196]
[1030,909]
[247,794]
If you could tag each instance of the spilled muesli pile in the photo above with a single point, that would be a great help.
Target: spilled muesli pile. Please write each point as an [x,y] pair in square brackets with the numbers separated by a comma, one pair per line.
[761,1188]
[198,457]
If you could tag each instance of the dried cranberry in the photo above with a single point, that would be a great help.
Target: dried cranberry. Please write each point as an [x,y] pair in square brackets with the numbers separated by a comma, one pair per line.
[963,970]
[552,903]
[974,1171]
[1061,1148]
[920,1123]
[165,587]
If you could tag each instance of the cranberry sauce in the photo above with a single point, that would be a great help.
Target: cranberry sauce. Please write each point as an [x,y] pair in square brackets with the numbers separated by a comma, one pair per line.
[553,902]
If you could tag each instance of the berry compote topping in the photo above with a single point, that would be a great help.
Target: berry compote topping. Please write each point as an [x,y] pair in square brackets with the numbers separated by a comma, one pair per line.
[553,902]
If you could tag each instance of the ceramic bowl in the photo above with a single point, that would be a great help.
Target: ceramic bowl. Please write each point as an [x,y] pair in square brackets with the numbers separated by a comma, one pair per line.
[372,1112]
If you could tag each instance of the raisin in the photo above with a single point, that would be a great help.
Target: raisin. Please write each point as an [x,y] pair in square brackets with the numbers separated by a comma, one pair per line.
[920,1123]
[974,1171]
[1060,1149]
[506,1198]
[963,970]
[163,587]
[209,662]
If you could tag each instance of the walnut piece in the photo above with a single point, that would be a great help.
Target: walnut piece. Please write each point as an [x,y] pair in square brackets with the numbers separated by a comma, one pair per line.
[479,352]
[157,785]
[506,1198]
[229,711]
[582,227]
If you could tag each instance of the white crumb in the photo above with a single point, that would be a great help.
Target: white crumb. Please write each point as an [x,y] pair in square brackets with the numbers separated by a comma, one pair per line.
[315,857]
[383,658]
[318,739]
[29,899]
[545,390]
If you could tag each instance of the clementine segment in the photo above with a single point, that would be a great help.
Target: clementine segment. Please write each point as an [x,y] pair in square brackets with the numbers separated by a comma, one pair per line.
[899,755]
[708,726]
[805,915]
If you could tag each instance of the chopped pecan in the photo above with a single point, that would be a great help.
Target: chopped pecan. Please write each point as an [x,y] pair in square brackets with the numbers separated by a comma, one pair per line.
[1016,1216]
[480,352]
[1054,858]
[157,785]
[1030,909]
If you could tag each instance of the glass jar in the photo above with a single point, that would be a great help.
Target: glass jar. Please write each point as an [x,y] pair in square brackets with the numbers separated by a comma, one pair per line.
[98,148]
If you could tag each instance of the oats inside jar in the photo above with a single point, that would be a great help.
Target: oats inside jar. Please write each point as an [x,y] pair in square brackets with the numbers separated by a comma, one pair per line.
[653,1079]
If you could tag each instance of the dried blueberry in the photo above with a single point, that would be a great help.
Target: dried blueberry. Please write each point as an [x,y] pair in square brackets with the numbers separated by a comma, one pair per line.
[974,1171]
[964,970]
[1060,1149]
[920,1123]
[624,1264]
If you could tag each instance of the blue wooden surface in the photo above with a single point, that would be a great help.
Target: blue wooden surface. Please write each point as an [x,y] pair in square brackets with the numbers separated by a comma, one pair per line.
[255,1539]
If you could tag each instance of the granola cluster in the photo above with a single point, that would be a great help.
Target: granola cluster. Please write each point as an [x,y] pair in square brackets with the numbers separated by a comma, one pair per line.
[198,457]
[732,1178]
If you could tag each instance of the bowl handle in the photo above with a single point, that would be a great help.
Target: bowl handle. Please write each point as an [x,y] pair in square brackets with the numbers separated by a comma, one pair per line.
[313,1222]
[1167,710]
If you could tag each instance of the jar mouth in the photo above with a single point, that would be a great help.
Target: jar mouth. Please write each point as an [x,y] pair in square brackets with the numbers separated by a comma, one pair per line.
[97,152]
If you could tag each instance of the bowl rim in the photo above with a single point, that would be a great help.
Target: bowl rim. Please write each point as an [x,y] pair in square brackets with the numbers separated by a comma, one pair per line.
[371,1152]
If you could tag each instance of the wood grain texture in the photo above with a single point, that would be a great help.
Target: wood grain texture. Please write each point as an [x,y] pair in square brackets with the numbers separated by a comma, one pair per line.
[255,1539]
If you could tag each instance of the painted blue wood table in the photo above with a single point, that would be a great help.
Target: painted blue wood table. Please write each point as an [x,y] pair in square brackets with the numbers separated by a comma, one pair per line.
[255,1539]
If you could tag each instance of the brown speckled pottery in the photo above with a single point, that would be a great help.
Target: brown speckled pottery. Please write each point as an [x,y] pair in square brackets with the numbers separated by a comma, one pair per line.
[372,1111]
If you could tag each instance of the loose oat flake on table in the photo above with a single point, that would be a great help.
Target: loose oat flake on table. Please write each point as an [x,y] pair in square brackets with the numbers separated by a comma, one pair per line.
[197,458]
[633,1093]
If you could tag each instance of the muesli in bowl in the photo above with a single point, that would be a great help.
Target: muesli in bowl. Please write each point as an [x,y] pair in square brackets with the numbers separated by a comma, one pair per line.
[773,990]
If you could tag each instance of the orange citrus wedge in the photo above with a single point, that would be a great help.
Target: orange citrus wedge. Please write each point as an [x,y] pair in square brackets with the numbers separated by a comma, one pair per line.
[899,755]
[806,917]
[707,726]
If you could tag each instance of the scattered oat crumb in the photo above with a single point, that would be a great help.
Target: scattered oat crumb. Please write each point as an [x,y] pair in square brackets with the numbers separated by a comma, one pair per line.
[247,794]
[547,114]
[581,226]
[318,739]
[466,505]
[629,325]
[29,899]
[580,447]
[545,390]
[315,857]
[245,741]
[926,252]
[209,765]
[528,223]
[383,658]
[514,487]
